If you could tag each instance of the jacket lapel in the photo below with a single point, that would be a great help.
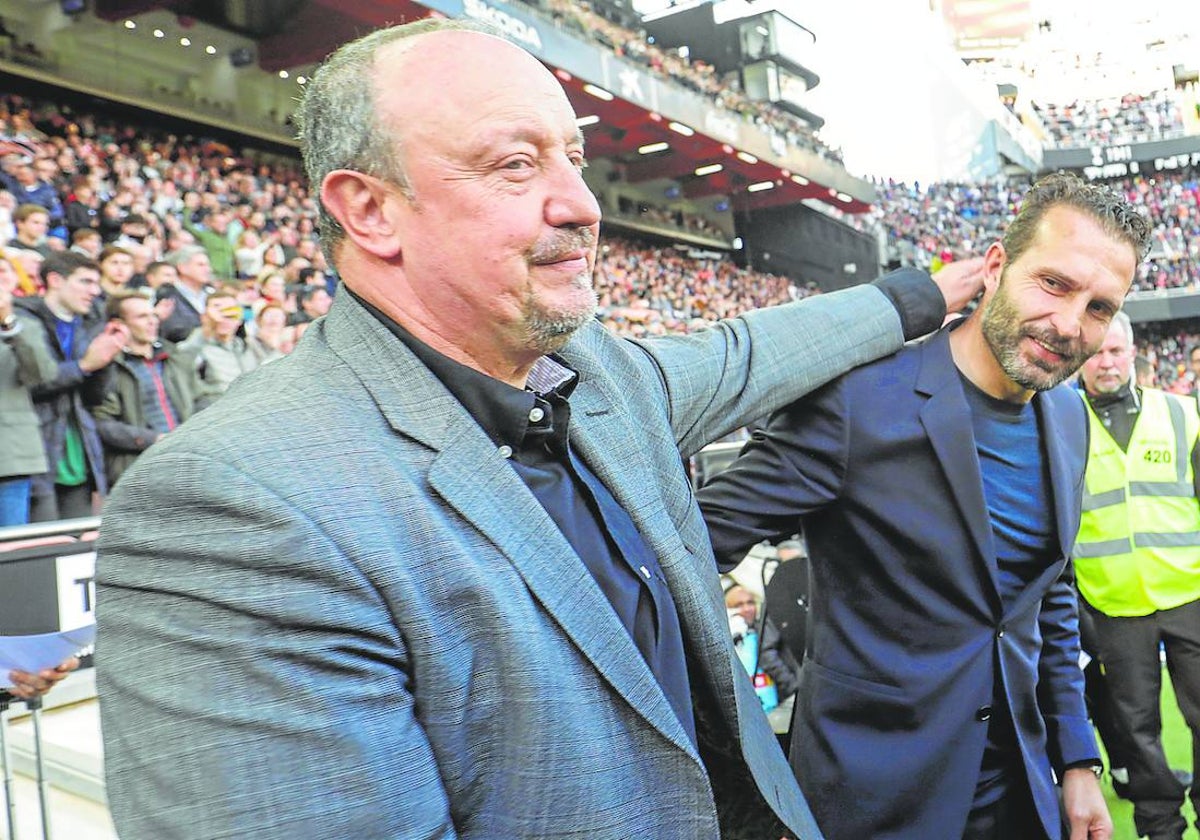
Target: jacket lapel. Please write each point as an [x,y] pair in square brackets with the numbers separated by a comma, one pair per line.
[472,478]
[1064,457]
[947,422]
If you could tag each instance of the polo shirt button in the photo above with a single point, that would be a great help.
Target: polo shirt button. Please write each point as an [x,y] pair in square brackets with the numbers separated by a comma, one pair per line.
[505,451]
[536,414]
[983,713]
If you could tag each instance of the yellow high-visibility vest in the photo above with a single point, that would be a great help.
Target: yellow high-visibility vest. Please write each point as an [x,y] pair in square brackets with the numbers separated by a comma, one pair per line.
[1138,547]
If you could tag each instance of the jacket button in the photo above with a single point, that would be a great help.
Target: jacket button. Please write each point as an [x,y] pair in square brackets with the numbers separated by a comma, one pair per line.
[983,713]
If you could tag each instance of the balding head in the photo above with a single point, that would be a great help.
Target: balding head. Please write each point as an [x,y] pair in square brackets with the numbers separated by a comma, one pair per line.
[339,120]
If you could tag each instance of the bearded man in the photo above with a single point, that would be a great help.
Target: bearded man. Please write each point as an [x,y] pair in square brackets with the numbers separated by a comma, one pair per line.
[939,491]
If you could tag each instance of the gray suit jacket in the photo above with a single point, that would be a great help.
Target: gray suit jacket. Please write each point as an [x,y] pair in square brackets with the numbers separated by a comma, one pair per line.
[329,608]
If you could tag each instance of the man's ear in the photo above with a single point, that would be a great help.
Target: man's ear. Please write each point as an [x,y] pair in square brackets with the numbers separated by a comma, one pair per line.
[993,267]
[359,202]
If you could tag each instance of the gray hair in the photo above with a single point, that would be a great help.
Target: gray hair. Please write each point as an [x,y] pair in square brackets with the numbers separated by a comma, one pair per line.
[1126,326]
[338,121]
[184,253]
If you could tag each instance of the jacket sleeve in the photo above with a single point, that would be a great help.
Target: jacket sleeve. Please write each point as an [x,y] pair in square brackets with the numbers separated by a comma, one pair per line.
[268,692]
[92,387]
[116,433]
[1069,734]
[35,365]
[743,369]
[792,467]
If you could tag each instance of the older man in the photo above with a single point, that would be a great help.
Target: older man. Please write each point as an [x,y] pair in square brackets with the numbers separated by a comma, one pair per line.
[439,573]
[1138,563]
[188,294]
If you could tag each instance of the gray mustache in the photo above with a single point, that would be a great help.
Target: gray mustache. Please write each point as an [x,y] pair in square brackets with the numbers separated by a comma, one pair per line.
[563,244]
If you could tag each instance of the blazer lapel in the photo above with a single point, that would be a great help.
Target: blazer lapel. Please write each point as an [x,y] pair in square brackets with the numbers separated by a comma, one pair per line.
[947,422]
[1064,456]
[472,478]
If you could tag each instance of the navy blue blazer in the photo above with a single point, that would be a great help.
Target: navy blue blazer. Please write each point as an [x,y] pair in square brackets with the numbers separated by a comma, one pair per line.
[907,628]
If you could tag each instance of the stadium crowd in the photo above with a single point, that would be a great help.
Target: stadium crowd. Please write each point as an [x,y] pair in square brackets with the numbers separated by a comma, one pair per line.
[1133,118]
[180,219]
[150,193]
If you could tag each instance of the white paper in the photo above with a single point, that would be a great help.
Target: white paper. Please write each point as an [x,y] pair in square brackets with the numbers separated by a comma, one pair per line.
[34,653]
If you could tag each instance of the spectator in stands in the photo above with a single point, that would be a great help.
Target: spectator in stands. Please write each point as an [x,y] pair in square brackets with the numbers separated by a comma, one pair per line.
[32,221]
[194,273]
[220,352]
[134,230]
[213,234]
[1194,366]
[272,288]
[1141,582]
[83,350]
[116,270]
[25,184]
[160,274]
[467,546]
[291,271]
[249,253]
[28,266]
[87,241]
[312,276]
[313,301]
[24,363]
[1144,373]
[8,206]
[938,610]
[153,387]
[272,337]
[83,210]
[773,656]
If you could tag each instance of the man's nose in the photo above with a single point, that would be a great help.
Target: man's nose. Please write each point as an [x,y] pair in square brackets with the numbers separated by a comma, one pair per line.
[570,202]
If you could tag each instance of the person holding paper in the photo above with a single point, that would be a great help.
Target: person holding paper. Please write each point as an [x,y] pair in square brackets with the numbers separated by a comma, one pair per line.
[26,686]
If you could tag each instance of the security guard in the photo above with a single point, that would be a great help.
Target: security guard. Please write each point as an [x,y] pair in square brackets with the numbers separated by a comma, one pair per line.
[1137,560]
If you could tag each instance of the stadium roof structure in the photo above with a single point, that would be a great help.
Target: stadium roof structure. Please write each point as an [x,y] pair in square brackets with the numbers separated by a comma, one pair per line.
[652,129]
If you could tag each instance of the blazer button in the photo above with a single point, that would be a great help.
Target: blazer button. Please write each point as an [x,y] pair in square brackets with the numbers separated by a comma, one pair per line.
[983,713]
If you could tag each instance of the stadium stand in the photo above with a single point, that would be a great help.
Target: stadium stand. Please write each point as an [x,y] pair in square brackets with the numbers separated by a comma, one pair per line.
[104,169]
[1133,118]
